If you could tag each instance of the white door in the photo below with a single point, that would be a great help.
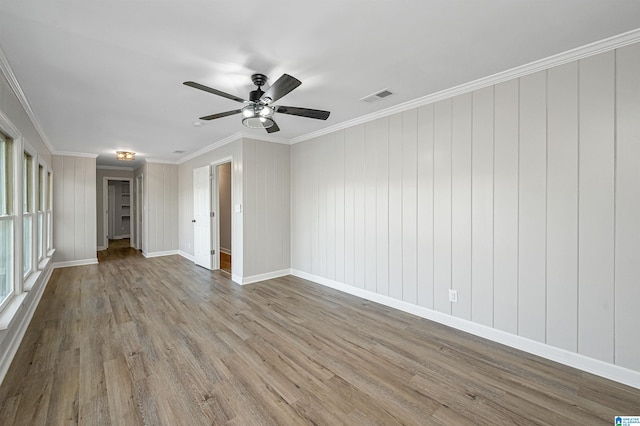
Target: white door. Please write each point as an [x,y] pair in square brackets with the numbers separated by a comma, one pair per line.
[202,220]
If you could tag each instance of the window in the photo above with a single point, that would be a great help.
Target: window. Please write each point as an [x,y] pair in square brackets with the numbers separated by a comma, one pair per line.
[49,204]
[27,217]
[6,219]
[41,207]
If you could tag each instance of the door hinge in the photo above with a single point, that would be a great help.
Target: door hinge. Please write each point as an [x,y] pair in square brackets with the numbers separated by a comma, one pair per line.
[213,252]
[213,214]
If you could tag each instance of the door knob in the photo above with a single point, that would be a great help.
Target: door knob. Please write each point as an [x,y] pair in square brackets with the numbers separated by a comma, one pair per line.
[193,220]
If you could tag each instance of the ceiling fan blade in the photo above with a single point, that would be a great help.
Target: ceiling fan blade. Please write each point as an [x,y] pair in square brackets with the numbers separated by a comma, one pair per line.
[303,112]
[214,91]
[281,87]
[273,128]
[220,114]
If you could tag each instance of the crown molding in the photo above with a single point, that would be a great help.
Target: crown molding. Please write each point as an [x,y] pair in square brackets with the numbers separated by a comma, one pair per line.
[211,147]
[7,71]
[576,54]
[99,167]
[160,161]
[75,154]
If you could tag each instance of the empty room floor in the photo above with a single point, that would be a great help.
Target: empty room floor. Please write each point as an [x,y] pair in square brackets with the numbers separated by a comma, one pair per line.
[160,341]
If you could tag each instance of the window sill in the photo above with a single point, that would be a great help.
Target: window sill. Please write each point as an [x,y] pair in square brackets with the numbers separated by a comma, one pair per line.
[9,313]
[31,280]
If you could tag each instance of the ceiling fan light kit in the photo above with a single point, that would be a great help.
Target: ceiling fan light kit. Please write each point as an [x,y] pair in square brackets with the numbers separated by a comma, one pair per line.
[258,113]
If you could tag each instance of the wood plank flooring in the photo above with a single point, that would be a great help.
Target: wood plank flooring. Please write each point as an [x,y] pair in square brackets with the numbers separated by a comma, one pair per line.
[225,262]
[135,341]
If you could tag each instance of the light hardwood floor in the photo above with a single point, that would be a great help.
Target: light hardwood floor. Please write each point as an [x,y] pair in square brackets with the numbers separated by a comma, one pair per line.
[159,341]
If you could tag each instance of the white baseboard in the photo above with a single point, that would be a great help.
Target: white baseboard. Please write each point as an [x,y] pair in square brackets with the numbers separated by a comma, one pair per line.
[225,251]
[80,262]
[100,248]
[160,253]
[186,255]
[261,277]
[571,359]
[21,328]
[236,279]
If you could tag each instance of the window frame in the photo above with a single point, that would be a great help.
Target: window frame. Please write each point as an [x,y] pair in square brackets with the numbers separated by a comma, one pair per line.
[15,202]
[29,204]
[41,225]
[49,211]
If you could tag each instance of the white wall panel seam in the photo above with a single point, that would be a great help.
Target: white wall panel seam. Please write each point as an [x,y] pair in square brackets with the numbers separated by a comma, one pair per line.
[546,200]
[493,209]
[518,219]
[579,66]
[615,188]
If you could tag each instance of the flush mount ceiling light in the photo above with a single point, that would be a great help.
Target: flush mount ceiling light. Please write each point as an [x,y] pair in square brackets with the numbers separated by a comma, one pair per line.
[125,155]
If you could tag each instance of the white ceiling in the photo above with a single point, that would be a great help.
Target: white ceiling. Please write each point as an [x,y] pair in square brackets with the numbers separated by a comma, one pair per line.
[107,75]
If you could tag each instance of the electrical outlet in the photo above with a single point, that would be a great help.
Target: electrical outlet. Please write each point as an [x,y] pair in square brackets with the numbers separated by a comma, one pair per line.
[453,296]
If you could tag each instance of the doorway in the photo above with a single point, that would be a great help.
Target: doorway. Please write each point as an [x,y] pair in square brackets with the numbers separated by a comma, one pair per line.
[225,211]
[212,216]
[116,213]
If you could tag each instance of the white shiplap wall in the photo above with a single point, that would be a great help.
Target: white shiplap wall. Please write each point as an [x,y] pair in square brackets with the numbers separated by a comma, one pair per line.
[522,196]
[74,207]
[160,197]
[266,208]
[261,190]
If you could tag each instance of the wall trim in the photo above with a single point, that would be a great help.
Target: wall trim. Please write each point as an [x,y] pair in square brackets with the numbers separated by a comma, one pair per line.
[74,154]
[234,137]
[236,279]
[571,359]
[160,253]
[81,262]
[21,328]
[575,54]
[186,255]
[160,161]
[225,251]
[100,248]
[266,276]
[99,167]
[211,147]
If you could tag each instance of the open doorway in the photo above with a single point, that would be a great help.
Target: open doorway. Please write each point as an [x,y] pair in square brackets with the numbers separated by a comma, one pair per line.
[117,223]
[224,202]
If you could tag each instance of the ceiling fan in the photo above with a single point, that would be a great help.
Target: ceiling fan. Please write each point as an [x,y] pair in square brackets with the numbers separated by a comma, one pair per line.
[258,112]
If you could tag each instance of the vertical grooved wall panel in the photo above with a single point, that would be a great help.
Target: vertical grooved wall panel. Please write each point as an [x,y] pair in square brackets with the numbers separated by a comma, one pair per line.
[442,206]
[522,196]
[627,221]
[562,207]
[532,207]
[505,204]
[596,207]
[370,240]
[461,205]
[74,200]
[482,207]
[425,206]
[409,206]
[395,206]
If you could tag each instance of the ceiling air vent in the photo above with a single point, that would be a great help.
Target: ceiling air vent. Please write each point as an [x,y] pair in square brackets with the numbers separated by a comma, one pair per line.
[374,97]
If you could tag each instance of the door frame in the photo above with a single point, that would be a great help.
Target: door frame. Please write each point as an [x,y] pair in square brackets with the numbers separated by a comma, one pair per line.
[139,209]
[105,206]
[215,204]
